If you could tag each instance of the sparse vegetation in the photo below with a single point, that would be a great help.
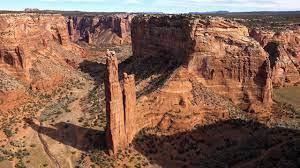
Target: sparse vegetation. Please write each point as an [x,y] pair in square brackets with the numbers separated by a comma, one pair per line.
[249,145]
[77,106]
[8,132]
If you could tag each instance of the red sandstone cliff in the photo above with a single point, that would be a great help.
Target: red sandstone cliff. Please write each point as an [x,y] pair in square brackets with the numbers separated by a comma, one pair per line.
[33,50]
[21,34]
[218,51]
[101,30]
[284,53]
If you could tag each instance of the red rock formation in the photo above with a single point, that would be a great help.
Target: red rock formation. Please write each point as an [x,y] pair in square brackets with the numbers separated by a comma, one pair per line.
[26,36]
[33,50]
[131,116]
[181,104]
[263,37]
[71,29]
[120,107]
[23,34]
[218,51]
[100,30]
[13,59]
[89,37]
[115,131]
[283,48]
[152,38]
[285,68]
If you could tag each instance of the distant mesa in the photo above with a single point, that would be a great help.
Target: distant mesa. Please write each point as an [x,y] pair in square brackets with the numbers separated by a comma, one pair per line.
[211,12]
[31,9]
[152,13]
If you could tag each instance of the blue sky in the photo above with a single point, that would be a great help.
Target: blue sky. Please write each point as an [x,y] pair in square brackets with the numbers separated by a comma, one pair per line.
[168,6]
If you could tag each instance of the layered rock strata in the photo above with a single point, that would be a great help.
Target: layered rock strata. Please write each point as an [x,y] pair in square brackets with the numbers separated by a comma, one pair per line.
[24,37]
[284,53]
[33,51]
[219,52]
[23,33]
[101,30]
[181,104]
[131,116]
[120,107]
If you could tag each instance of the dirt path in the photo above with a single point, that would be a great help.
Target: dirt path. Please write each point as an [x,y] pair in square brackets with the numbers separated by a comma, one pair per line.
[77,112]
[46,148]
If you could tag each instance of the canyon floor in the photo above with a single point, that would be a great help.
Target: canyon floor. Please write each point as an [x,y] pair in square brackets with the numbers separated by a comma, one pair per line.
[69,131]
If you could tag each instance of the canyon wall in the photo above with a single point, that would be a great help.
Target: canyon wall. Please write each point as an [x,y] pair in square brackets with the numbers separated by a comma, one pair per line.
[162,37]
[26,36]
[33,51]
[219,52]
[21,34]
[284,53]
[100,30]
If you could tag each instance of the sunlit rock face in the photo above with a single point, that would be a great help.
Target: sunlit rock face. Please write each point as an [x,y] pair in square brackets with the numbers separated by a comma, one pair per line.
[284,53]
[24,37]
[120,107]
[22,34]
[33,50]
[218,51]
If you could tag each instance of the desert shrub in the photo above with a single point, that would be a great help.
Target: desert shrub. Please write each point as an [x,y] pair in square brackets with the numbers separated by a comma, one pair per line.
[2,158]
[22,153]
[20,164]
[33,145]
[138,165]
[8,132]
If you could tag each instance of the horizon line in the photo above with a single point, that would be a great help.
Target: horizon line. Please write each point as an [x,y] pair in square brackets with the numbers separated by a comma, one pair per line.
[226,11]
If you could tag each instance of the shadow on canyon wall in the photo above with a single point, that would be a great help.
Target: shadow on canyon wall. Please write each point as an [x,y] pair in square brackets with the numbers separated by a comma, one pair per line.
[84,139]
[232,143]
[158,70]
[162,68]
[94,69]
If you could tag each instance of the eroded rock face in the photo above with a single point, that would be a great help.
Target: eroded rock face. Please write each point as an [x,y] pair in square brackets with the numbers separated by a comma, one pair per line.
[263,37]
[131,115]
[218,51]
[161,37]
[23,35]
[115,133]
[101,30]
[120,107]
[285,68]
[181,104]
[284,54]
[33,50]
